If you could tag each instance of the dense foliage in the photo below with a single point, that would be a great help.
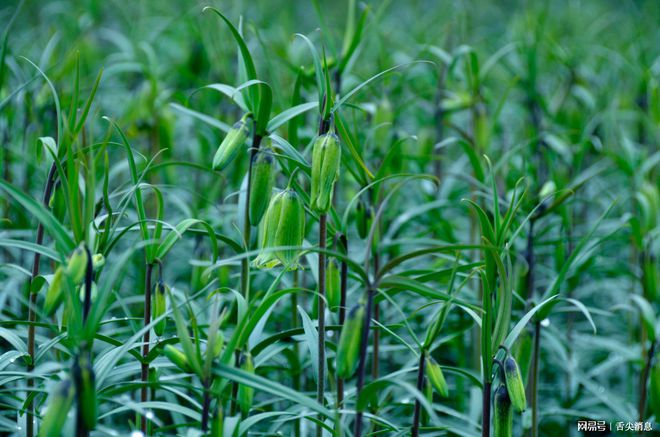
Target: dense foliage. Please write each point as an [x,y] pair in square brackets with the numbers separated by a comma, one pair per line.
[328,218]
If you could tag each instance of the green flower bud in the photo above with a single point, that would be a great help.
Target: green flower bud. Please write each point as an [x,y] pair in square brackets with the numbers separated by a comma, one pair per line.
[326,160]
[348,349]
[333,285]
[160,306]
[514,385]
[262,179]
[55,292]
[77,265]
[98,261]
[245,392]
[290,229]
[232,143]
[436,377]
[503,419]
[177,358]
[83,375]
[59,405]
[267,230]
[362,219]
[93,295]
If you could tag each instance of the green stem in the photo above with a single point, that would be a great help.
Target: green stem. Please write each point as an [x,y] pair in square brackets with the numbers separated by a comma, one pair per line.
[320,388]
[32,315]
[145,346]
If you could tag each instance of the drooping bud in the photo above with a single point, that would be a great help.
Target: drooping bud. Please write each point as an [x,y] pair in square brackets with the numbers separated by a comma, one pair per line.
[333,285]
[160,306]
[326,160]
[177,358]
[435,376]
[77,264]
[267,230]
[55,292]
[503,420]
[93,295]
[362,219]
[83,375]
[98,261]
[262,179]
[245,392]
[514,384]
[348,349]
[59,405]
[232,143]
[290,230]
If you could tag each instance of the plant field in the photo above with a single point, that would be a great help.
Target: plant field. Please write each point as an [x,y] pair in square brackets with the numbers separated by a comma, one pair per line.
[349,218]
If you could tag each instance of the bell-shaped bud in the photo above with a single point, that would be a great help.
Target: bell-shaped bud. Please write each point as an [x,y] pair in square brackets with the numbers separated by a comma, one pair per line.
[514,384]
[348,349]
[232,144]
[262,178]
[326,160]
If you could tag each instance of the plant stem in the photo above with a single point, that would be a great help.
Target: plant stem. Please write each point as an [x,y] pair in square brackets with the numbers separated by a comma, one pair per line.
[420,386]
[364,341]
[245,263]
[206,405]
[145,346]
[32,315]
[645,377]
[296,349]
[343,242]
[485,406]
[534,431]
[320,388]
[376,345]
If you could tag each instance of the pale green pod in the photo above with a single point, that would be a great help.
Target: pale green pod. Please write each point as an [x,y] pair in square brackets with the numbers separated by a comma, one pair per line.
[160,306]
[267,230]
[262,179]
[503,418]
[177,358]
[435,376]
[59,404]
[231,144]
[98,261]
[326,161]
[245,392]
[77,265]
[361,219]
[333,285]
[348,349]
[290,231]
[55,292]
[514,385]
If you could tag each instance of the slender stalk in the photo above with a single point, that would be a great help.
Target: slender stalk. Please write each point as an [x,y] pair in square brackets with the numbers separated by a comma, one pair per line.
[363,358]
[485,406]
[320,388]
[32,315]
[376,346]
[206,406]
[643,391]
[420,386]
[245,262]
[145,345]
[297,383]
[534,431]
[343,242]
